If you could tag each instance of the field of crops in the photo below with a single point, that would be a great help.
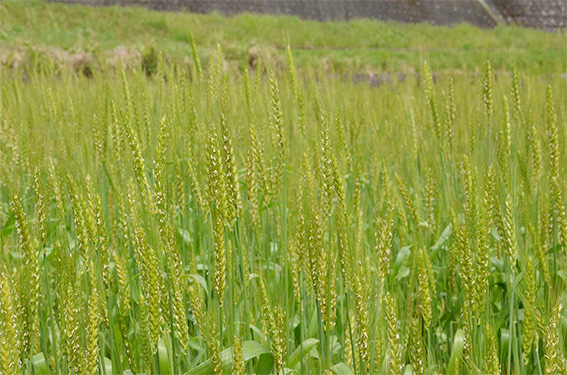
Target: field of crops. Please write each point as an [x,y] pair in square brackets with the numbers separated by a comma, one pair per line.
[205,221]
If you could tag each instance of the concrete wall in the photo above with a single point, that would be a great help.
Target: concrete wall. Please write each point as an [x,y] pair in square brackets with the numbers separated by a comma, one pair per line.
[542,14]
[545,14]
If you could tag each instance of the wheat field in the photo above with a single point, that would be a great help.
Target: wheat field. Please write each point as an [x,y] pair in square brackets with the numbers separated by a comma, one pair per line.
[202,221]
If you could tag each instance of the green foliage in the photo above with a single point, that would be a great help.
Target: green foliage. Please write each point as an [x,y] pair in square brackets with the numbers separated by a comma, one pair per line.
[298,223]
[109,35]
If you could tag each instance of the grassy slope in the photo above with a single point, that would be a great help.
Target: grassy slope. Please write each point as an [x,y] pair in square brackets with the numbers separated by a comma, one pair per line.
[359,44]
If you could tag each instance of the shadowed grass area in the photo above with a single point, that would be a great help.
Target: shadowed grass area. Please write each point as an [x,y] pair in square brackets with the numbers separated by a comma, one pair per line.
[356,45]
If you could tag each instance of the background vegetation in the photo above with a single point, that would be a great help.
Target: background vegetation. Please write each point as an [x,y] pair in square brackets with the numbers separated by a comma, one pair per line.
[359,45]
[179,217]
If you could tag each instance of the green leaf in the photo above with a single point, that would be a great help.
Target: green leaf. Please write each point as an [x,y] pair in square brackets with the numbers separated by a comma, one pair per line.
[201,280]
[39,365]
[163,358]
[402,255]
[313,327]
[107,364]
[403,273]
[499,264]
[444,237]
[195,344]
[259,332]
[9,226]
[301,352]
[400,270]
[456,352]
[341,368]
[314,354]
[185,235]
[504,339]
[563,275]
[250,349]
[495,234]
[265,365]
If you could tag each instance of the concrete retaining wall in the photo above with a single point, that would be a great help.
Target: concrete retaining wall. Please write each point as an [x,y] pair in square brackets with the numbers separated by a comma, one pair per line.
[541,14]
[544,14]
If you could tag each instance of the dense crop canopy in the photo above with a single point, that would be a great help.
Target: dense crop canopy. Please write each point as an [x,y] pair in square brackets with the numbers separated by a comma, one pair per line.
[197,222]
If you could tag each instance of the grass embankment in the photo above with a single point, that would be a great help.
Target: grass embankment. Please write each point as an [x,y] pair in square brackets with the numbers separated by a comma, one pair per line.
[359,45]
